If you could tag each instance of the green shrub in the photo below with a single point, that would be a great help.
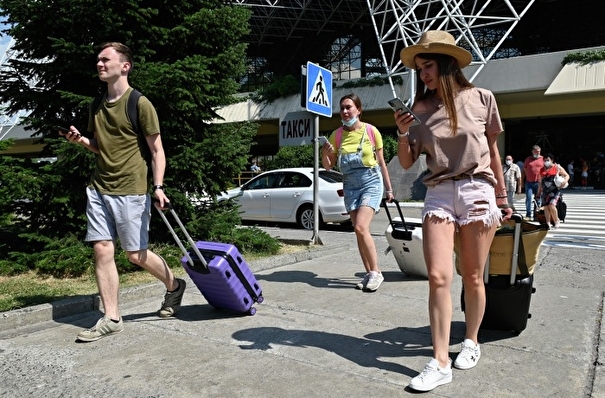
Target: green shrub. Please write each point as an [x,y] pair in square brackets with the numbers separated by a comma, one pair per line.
[255,240]
[584,57]
[215,222]
[70,256]
[292,156]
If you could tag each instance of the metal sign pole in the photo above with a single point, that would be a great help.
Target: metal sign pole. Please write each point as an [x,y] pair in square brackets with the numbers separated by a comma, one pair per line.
[316,240]
[318,101]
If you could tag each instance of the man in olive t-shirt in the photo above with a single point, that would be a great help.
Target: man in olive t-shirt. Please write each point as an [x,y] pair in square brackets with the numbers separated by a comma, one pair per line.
[119,203]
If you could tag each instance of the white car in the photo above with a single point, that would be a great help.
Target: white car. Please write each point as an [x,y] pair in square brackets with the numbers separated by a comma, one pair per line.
[286,195]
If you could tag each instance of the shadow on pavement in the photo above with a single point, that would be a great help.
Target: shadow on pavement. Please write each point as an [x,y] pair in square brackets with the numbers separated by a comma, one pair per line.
[372,351]
[307,277]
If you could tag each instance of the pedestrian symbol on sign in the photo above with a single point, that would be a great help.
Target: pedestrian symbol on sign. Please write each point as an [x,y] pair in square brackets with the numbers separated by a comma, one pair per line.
[319,91]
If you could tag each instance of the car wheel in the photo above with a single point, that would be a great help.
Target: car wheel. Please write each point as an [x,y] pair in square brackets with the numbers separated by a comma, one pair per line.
[305,217]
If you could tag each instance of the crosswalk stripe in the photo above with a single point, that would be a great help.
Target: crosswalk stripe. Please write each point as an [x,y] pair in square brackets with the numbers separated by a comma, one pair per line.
[584,224]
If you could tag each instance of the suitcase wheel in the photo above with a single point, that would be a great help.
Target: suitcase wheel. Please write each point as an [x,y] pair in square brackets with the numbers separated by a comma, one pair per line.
[260,299]
[252,311]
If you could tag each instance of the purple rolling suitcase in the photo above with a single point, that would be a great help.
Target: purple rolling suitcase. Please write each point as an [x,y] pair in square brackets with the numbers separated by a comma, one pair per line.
[219,271]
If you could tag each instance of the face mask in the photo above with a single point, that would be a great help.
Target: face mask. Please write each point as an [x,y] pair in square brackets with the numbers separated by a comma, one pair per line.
[509,162]
[547,164]
[536,156]
[350,123]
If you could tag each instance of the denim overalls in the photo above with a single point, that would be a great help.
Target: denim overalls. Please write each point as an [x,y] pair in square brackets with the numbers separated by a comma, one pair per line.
[362,185]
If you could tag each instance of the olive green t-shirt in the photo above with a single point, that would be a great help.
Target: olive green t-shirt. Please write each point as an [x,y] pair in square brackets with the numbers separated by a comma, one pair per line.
[121,168]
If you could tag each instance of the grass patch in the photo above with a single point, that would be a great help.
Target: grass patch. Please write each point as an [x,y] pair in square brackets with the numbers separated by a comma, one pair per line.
[31,288]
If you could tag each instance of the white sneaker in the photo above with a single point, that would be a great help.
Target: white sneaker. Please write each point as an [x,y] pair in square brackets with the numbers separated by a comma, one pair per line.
[469,355]
[374,282]
[363,282]
[432,376]
[103,328]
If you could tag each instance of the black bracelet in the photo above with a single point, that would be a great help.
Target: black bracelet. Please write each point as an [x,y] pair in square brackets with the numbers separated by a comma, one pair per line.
[505,206]
[156,187]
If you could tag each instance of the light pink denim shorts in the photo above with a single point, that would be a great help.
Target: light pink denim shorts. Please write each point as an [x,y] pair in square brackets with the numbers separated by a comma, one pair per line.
[463,201]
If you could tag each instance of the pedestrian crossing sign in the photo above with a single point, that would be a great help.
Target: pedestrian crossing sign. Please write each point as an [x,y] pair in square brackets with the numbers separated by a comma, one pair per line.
[319,90]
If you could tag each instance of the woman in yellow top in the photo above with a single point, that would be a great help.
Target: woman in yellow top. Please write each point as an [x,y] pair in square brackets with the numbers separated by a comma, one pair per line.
[357,147]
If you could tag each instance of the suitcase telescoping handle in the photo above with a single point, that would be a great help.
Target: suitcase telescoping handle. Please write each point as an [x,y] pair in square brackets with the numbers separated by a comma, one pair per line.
[178,240]
[518,219]
[397,233]
[386,209]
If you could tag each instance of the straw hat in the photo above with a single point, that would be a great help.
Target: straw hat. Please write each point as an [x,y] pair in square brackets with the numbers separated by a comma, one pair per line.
[436,42]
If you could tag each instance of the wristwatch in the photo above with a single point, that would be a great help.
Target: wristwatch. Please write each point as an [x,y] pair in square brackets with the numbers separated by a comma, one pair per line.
[156,187]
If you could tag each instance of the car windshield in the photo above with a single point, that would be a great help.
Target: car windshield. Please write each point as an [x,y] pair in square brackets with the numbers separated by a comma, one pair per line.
[330,176]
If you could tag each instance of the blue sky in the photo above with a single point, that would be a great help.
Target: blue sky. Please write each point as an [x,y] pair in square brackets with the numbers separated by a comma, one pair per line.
[3,43]
[3,39]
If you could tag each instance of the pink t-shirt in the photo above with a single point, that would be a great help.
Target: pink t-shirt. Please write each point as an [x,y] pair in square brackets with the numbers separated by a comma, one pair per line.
[466,152]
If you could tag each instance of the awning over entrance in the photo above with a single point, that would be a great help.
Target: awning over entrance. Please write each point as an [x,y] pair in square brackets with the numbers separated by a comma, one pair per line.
[576,78]
[24,143]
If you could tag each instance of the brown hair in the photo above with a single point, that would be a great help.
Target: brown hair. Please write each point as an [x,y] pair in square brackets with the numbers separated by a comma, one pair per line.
[122,49]
[356,100]
[450,76]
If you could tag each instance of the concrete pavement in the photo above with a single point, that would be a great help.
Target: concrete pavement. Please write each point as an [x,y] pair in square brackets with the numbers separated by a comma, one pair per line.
[313,336]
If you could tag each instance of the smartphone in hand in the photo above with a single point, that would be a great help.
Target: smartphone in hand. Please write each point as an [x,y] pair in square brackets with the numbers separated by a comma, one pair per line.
[397,105]
[65,130]
[322,139]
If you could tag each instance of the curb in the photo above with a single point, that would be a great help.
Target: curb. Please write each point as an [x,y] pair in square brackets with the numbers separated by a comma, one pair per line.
[77,305]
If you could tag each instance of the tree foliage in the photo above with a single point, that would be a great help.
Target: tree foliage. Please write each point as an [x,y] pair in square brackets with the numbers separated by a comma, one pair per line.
[292,156]
[187,56]
[302,156]
[281,87]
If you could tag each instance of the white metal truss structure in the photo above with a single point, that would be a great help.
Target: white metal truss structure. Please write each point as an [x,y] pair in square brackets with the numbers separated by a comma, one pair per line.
[480,26]
[8,122]
[362,37]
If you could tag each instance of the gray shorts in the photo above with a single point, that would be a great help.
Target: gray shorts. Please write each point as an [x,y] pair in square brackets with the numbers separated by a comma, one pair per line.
[463,202]
[123,217]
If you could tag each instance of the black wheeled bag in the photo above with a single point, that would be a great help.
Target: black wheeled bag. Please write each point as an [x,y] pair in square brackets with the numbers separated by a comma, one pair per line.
[561,209]
[509,289]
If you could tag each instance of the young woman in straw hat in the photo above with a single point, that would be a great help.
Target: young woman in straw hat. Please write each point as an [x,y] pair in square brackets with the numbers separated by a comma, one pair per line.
[465,189]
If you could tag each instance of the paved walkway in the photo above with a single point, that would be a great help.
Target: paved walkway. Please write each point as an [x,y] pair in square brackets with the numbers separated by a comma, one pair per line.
[313,336]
